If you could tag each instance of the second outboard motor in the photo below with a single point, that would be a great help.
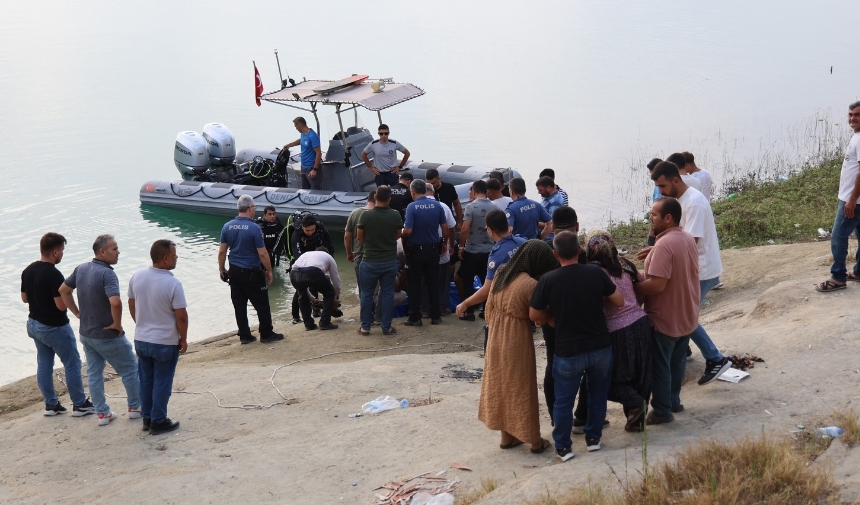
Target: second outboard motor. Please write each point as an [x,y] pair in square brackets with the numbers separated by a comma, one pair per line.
[190,154]
[221,145]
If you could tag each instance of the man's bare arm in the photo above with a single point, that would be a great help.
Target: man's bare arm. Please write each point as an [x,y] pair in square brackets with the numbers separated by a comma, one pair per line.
[182,326]
[69,300]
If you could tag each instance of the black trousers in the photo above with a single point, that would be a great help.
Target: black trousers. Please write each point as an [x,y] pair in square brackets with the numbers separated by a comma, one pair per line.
[304,278]
[473,264]
[423,266]
[249,284]
[581,411]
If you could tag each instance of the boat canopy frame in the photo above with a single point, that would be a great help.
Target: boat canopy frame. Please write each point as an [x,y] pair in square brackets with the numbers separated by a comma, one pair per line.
[361,94]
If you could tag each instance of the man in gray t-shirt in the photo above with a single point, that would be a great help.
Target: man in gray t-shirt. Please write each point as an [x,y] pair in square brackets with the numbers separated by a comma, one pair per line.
[101,330]
[477,242]
[384,164]
[157,304]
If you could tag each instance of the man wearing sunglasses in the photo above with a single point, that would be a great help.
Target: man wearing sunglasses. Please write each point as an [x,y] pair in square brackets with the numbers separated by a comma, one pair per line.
[384,164]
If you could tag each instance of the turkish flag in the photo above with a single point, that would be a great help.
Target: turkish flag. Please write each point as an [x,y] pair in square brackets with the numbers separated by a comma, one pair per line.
[258,85]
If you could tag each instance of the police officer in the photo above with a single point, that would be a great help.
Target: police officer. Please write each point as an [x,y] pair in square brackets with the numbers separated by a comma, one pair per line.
[384,164]
[424,217]
[250,272]
[312,236]
[526,216]
[273,234]
[506,244]
[401,195]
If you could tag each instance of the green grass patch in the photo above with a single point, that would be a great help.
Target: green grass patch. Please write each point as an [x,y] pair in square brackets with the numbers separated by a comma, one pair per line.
[761,213]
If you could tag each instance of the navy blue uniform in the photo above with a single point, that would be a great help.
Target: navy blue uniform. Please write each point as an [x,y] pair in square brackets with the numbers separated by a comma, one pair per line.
[423,217]
[524,215]
[247,279]
[502,251]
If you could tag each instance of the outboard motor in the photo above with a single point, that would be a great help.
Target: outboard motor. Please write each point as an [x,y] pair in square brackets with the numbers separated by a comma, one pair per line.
[222,146]
[190,155]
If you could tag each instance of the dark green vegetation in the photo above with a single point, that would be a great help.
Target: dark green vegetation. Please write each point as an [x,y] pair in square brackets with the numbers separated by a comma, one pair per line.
[781,211]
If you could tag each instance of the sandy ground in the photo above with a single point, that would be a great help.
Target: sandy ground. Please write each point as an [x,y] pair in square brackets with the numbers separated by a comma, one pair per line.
[311,451]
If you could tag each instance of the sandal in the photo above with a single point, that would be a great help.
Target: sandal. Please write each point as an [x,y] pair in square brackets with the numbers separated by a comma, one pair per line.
[544,445]
[363,332]
[513,443]
[391,331]
[852,277]
[828,286]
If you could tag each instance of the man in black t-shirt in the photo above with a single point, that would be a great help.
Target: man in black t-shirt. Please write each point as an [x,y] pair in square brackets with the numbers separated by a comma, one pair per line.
[445,193]
[401,196]
[571,298]
[48,326]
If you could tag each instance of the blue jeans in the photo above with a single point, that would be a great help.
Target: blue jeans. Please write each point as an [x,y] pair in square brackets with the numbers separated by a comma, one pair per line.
[842,228]
[567,374]
[385,273]
[119,354]
[59,340]
[669,363]
[699,336]
[157,366]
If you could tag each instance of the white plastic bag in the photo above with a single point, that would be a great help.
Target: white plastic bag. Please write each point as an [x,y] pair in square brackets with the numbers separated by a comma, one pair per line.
[381,404]
[428,499]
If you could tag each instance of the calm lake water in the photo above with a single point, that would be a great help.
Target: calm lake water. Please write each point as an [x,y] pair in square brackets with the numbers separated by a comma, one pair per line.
[92,95]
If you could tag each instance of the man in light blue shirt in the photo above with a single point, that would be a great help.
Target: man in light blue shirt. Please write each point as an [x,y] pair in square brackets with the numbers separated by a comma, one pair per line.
[311,154]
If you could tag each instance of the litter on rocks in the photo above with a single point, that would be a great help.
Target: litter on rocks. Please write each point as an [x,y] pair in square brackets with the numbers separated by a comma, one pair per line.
[429,486]
[459,371]
[746,361]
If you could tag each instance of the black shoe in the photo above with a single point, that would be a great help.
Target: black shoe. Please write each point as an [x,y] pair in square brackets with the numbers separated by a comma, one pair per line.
[689,354]
[655,419]
[83,409]
[163,427]
[468,317]
[679,408]
[146,423]
[579,426]
[481,314]
[714,369]
[328,326]
[312,327]
[52,410]
[410,322]
[297,320]
[436,320]
[271,337]
[336,313]
[593,444]
[565,454]
[247,340]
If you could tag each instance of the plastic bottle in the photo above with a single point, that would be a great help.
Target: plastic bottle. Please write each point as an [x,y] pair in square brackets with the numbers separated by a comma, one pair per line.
[830,431]
[383,403]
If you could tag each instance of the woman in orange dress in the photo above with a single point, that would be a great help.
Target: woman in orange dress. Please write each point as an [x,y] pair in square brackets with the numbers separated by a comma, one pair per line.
[509,395]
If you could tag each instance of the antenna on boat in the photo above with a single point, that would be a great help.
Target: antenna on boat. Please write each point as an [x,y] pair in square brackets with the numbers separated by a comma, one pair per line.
[279,68]
[283,81]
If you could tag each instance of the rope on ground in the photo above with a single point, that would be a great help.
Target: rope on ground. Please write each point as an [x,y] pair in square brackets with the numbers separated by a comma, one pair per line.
[285,401]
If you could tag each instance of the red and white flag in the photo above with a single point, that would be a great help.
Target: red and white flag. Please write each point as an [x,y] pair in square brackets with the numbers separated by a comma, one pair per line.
[258,85]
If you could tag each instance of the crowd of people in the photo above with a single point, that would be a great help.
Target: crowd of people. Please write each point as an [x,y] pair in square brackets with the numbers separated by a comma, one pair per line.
[613,332]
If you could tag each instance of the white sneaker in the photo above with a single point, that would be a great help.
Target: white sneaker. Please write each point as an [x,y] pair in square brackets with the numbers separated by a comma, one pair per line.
[104,419]
[134,413]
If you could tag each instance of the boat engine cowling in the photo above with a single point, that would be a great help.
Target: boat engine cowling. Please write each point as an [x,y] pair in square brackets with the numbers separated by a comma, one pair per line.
[190,154]
[220,142]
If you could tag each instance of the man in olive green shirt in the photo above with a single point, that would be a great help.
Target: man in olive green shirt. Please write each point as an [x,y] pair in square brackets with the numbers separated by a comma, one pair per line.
[379,229]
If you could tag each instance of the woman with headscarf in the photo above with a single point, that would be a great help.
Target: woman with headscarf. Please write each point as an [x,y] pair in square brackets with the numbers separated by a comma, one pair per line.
[629,329]
[509,396]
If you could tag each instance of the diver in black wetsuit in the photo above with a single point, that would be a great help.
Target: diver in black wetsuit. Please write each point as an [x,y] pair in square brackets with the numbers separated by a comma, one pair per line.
[274,235]
[313,235]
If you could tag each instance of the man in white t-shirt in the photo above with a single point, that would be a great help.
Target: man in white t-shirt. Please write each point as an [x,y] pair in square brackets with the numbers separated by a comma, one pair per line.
[702,175]
[679,161]
[847,217]
[156,302]
[697,219]
[494,193]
